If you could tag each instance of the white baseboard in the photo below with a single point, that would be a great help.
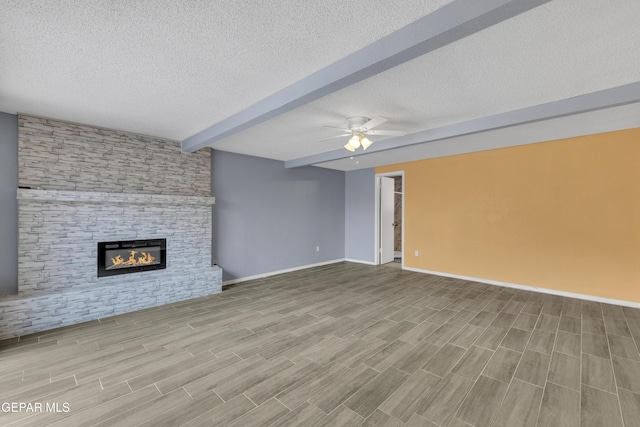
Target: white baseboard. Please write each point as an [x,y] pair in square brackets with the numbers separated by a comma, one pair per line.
[273,273]
[359,261]
[530,288]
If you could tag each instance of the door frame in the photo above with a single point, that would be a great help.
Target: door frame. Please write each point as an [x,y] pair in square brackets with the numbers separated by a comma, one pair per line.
[376,248]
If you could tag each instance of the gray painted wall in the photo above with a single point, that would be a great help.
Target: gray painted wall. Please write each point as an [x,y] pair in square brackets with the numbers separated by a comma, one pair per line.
[268,218]
[8,204]
[359,242]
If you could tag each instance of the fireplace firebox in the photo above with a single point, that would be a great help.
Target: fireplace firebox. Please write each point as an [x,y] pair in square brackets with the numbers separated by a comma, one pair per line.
[131,256]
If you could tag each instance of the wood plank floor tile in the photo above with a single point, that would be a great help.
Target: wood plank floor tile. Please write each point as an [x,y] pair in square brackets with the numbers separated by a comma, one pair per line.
[560,407]
[613,311]
[388,355]
[304,415]
[305,389]
[141,413]
[565,371]
[462,318]
[419,333]
[593,326]
[467,336]
[408,398]
[445,399]
[591,309]
[371,345]
[150,377]
[595,344]
[533,367]
[196,373]
[597,372]
[630,405]
[491,338]
[341,390]
[541,341]
[472,363]
[627,373]
[483,319]
[570,324]
[340,417]
[503,320]
[443,334]
[419,421]
[516,339]
[502,364]
[548,323]
[568,343]
[526,322]
[572,307]
[617,327]
[111,408]
[599,408]
[249,378]
[416,357]
[277,383]
[520,406]
[207,383]
[365,401]
[224,414]
[444,360]
[623,347]
[265,414]
[482,403]
[40,392]
[380,419]
[396,331]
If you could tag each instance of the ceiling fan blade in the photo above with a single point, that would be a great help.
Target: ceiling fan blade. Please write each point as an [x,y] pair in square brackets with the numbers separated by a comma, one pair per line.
[335,127]
[386,132]
[376,121]
[337,136]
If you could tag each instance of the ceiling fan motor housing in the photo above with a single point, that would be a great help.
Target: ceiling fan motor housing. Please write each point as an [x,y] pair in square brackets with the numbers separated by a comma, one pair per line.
[355,123]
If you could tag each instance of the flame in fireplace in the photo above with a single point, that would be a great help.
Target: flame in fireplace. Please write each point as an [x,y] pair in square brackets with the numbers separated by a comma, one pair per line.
[143,259]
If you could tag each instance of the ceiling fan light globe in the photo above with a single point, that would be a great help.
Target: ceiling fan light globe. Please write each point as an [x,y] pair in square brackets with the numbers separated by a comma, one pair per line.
[349,147]
[366,142]
[354,142]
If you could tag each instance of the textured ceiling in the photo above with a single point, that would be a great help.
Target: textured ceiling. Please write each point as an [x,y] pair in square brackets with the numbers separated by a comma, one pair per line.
[593,122]
[173,68]
[556,51]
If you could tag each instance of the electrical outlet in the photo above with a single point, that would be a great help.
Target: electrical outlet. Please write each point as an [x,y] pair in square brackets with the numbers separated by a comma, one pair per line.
[317,248]
[416,253]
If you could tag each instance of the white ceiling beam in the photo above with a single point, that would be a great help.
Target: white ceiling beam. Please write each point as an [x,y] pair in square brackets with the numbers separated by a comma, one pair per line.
[607,98]
[444,26]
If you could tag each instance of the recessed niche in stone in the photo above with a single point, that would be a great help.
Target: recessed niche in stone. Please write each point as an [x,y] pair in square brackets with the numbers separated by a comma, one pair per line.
[131,256]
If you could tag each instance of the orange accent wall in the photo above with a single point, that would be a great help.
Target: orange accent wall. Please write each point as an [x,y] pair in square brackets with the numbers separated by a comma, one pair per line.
[562,215]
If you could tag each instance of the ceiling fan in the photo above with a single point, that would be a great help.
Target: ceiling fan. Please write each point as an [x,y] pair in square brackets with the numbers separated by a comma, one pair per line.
[359,127]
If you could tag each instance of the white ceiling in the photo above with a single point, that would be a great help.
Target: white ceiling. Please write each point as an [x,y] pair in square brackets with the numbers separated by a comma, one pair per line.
[173,68]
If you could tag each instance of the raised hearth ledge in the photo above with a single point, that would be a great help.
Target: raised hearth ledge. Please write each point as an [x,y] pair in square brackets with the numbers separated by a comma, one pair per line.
[111,198]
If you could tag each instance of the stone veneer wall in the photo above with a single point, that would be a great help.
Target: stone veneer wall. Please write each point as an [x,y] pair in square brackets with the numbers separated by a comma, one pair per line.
[59,226]
[55,155]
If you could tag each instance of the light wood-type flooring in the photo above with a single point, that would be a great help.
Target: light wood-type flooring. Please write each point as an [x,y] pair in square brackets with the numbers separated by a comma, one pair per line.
[343,345]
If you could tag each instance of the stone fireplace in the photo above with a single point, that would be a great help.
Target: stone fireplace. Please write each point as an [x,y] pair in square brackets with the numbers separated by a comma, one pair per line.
[85,190]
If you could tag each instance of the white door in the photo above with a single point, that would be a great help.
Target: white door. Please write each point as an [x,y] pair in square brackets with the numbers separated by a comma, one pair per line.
[386,219]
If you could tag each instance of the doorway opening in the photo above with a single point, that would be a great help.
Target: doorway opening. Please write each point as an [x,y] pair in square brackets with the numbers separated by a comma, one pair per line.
[390,219]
